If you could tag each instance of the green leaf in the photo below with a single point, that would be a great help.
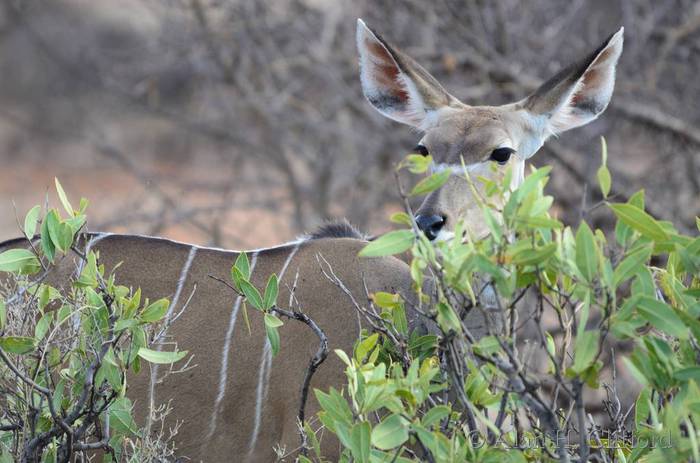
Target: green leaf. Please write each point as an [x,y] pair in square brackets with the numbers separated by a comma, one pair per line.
[61,233]
[243,265]
[109,371]
[551,347]
[58,391]
[30,221]
[365,346]
[435,415]
[400,218]
[487,345]
[46,244]
[360,439]
[75,223]
[3,315]
[586,252]
[416,163]
[534,256]
[662,317]
[64,199]
[630,265]
[19,261]
[160,357]
[686,374]
[603,173]
[640,221]
[604,180]
[585,350]
[83,205]
[641,408]
[42,326]
[551,350]
[251,293]
[390,433]
[334,405]
[531,182]
[386,300]
[88,277]
[398,316]
[273,336]
[123,324]
[603,151]
[431,183]
[447,319]
[495,227]
[155,312]
[394,242]
[272,321]
[271,291]
[691,322]
[120,418]
[17,344]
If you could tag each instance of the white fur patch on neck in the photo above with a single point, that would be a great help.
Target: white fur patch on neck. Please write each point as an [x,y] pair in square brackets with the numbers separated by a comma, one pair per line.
[444,235]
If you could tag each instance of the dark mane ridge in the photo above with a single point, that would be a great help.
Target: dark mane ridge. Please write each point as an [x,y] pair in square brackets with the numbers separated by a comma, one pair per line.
[336,229]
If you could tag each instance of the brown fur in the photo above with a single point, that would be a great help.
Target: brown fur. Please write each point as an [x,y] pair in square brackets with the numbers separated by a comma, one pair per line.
[155,266]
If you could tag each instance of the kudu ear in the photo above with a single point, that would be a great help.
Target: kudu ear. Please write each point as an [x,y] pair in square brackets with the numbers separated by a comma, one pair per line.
[579,93]
[396,85]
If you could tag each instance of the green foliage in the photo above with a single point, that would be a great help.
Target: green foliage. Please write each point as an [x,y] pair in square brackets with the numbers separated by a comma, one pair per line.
[431,183]
[603,174]
[640,287]
[66,350]
[394,242]
[265,303]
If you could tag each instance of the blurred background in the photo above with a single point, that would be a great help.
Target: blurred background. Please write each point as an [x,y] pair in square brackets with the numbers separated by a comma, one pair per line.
[242,123]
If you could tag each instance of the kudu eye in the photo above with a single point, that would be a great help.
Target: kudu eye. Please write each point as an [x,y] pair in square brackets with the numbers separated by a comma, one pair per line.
[420,149]
[501,155]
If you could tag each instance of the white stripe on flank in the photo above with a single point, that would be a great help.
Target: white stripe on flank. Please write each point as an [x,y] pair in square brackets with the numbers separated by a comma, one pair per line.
[173,303]
[224,367]
[287,262]
[223,372]
[263,380]
[266,368]
[181,282]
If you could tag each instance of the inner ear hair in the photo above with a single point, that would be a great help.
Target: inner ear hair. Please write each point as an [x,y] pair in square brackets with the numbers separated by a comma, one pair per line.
[580,92]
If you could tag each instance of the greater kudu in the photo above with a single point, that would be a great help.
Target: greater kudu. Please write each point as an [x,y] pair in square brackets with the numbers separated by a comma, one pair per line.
[239,403]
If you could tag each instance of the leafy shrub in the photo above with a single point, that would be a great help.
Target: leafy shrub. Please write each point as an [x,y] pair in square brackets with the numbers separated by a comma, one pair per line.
[481,399]
[65,349]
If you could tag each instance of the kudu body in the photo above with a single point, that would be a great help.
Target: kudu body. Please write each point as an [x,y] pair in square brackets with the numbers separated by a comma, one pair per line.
[239,403]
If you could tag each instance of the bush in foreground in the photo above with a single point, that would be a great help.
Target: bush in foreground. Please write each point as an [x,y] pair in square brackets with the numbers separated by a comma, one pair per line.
[485,399]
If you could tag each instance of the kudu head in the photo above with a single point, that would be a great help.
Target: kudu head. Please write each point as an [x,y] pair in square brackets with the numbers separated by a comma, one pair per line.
[486,138]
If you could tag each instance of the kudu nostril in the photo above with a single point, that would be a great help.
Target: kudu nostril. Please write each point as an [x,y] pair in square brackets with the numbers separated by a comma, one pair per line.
[430,225]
